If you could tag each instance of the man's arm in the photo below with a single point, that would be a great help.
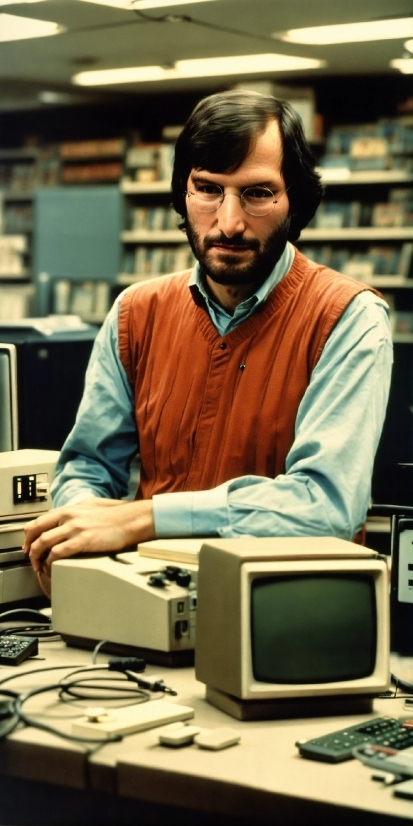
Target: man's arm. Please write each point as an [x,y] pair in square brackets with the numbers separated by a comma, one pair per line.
[96,457]
[326,487]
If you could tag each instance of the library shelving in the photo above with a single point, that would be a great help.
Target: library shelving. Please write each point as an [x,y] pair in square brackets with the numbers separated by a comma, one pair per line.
[152,243]
[364,225]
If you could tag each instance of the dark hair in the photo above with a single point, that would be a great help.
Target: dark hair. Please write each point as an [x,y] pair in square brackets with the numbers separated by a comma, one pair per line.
[220,133]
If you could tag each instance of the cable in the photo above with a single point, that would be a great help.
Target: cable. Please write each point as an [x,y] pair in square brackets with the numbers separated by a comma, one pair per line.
[25,614]
[185,18]
[408,687]
[32,671]
[41,631]
[31,721]
[97,649]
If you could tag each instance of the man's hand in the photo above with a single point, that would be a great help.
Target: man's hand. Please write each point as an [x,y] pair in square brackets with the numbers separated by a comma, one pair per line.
[94,525]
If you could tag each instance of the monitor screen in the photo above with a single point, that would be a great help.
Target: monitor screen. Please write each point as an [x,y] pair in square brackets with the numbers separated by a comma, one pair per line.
[8,398]
[313,628]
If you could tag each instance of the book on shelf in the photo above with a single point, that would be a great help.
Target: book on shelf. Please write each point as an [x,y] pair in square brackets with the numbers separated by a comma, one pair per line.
[150,161]
[48,172]
[370,146]
[402,322]
[17,218]
[405,266]
[87,299]
[92,173]
[154,218]
[16,301]
[388,215]
[103,147]
[13,249]
[160,260]
[375,259]
[22,177]
[397,212]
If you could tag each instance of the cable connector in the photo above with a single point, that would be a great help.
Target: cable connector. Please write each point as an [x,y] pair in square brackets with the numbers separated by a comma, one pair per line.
[155,685]
[123,664]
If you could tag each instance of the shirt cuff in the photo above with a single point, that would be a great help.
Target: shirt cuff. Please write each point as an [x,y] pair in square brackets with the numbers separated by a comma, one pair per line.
[192,513]
[75,498]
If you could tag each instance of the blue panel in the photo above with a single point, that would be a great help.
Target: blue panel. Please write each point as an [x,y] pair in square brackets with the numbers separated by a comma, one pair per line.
[77,232]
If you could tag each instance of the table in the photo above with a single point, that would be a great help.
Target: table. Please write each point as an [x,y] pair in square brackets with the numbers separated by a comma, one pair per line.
[47,780]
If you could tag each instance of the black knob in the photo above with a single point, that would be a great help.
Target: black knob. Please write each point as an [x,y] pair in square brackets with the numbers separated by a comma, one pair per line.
[183,578]
[157,580]
[171,572]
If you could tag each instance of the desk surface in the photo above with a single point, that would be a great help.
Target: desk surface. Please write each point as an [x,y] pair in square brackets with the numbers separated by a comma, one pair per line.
[263,778]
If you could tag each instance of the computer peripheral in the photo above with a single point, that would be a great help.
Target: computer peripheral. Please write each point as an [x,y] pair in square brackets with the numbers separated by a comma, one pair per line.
[14,650]
[337,746]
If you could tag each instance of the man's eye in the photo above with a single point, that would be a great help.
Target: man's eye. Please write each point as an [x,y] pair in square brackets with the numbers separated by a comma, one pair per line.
[208,189]
[258,193]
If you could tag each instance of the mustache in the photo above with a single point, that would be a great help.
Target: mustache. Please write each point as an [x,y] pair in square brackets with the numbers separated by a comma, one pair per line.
[235,241]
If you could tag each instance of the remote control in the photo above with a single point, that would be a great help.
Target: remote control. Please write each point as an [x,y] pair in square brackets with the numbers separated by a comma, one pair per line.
[386,760]
[14,650]
[338,746]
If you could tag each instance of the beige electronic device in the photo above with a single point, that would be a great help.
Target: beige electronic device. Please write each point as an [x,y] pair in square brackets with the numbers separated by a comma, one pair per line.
[25,479]
[292,626]
[128,601]
[17,578]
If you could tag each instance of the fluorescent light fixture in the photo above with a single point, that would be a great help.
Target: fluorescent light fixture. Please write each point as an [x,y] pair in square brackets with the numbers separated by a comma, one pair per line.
[244,64]
[201,67]
[13,27]
[403,64]
[105,77]
[392,29]
[16,2]
[130,5]
[409,45]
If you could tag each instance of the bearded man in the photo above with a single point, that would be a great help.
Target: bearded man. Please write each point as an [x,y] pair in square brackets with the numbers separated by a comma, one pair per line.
[253,387]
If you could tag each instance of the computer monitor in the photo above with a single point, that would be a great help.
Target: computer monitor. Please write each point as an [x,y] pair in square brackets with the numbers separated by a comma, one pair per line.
[298,617]
[8,398]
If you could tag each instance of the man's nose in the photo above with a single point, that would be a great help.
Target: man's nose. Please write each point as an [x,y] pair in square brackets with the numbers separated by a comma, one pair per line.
[231,217]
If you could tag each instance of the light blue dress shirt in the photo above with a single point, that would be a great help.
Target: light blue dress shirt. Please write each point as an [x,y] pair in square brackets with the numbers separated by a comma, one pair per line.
[325,489]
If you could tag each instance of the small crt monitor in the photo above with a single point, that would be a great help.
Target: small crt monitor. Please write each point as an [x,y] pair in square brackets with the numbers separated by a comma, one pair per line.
[8,398]
[292,617]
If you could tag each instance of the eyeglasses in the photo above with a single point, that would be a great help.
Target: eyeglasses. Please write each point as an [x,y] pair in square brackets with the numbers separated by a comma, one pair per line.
[255,200]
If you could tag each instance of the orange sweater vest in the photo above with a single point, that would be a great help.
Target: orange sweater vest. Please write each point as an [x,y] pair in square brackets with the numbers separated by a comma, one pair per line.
[210,408]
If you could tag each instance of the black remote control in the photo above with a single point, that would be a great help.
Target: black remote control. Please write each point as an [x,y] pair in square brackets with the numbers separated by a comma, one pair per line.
[14,650]
[338,746]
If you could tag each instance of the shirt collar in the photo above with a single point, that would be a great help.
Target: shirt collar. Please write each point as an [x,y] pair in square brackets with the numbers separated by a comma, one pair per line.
[281,269]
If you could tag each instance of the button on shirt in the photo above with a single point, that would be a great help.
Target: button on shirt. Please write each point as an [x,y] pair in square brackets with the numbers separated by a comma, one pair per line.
[325,489]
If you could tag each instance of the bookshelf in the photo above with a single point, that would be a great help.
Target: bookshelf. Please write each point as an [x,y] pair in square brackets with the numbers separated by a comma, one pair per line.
[152,243]
[364,225]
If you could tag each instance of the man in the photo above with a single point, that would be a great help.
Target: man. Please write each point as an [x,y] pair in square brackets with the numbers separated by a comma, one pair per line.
[254,388]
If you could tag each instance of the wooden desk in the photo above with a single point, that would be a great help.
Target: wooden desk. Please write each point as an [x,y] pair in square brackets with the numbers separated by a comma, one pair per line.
[47,780]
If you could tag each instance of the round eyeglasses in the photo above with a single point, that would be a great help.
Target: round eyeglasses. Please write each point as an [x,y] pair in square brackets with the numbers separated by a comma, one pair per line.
[255,200]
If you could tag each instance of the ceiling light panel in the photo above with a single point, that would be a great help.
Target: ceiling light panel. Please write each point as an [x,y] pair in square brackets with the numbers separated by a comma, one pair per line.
[200,67]
[393,29]
[13,27]
[245,64]
[132,5]
[403,64]
[17,2]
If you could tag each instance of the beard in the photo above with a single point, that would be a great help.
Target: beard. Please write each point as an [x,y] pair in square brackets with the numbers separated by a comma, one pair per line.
[230,270]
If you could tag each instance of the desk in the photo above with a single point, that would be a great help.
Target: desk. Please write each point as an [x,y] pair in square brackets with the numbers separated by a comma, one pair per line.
[46,780]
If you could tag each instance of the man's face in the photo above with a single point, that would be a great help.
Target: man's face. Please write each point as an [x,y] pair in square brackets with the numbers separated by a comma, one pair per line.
[232,246]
